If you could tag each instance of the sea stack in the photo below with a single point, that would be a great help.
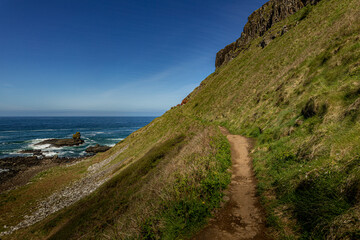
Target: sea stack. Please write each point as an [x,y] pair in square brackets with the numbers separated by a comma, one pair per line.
[74,141]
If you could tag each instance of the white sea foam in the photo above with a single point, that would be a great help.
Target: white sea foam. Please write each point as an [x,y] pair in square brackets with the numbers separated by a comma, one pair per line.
[43,130]
[89,134]
[46,149]
[3,170]
[37,140]
[116,139]
[92,134]
[50,153]
[35,130]
[34,144]
[41,147]
[111,145]
[88,140]
[17,152]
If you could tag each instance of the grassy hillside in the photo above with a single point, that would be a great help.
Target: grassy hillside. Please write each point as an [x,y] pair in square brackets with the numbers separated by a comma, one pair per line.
[299,97]
[172,179]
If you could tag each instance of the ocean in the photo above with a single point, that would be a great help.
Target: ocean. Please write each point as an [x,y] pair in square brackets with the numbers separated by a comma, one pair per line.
[21,133]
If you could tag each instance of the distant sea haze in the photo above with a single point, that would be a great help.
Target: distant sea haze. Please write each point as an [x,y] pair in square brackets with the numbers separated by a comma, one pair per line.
[20,133]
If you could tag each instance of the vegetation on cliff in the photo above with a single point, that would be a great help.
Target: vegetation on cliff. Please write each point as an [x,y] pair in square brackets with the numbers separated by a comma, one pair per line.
[298,96]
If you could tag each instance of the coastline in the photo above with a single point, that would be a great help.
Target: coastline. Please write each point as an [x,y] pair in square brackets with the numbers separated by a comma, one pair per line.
[20,170]
[25,133]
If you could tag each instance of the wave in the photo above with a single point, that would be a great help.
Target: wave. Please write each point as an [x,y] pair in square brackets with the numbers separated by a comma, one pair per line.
[92,134]
[47,130]
[49,153]
[17,153]
[12,142]
[116,139]
[37,130]
[34,144]
[3,170]
[40,147]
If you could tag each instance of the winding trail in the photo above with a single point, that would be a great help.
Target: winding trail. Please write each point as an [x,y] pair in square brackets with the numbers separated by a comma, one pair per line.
[241,217]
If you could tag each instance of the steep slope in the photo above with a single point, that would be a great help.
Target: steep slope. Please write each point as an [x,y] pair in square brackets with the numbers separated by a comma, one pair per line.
[168,179]
[258,23]
[241,217]
[297,95]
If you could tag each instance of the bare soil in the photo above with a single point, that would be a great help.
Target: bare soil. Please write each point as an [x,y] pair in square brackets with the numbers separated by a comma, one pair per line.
[242,216]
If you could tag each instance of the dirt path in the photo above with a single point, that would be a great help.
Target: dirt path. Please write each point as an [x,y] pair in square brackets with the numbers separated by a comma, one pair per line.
[241,217]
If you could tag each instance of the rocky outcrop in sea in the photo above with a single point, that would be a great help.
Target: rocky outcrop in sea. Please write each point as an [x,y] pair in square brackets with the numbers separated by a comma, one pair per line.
[76,140]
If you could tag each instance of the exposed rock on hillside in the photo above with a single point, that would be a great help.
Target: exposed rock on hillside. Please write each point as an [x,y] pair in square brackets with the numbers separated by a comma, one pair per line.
[258,23]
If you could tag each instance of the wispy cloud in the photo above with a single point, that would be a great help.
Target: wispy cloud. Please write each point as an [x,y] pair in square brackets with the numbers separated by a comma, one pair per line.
[155,92]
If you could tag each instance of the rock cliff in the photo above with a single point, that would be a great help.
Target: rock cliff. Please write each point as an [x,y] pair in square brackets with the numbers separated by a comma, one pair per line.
[258,23]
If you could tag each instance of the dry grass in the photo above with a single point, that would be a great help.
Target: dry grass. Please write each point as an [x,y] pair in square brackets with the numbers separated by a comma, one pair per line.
[159,187]
[301,162]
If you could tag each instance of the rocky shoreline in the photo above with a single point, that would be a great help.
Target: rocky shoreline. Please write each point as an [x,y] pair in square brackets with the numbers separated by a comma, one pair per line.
[18,171]
[96,175]
[15,171]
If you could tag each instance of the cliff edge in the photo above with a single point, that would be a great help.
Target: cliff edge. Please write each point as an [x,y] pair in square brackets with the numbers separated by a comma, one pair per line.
[258,23]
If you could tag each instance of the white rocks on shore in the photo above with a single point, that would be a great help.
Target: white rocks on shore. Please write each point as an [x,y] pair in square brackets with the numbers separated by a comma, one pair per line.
[97,175]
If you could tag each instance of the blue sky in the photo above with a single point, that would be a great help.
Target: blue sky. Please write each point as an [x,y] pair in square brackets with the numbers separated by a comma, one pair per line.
[110,57]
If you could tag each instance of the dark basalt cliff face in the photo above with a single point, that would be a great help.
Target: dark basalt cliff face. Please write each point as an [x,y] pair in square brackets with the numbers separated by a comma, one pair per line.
[258,23]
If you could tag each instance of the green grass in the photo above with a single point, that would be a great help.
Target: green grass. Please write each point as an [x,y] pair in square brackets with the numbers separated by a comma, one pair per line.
[102,208]
[169,191]
[193,203]
[298,97]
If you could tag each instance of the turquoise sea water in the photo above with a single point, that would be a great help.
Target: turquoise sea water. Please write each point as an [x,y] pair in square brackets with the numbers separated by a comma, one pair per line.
[19,133]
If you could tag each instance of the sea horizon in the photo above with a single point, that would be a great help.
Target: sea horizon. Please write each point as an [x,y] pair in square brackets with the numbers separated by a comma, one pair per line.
[18,133]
